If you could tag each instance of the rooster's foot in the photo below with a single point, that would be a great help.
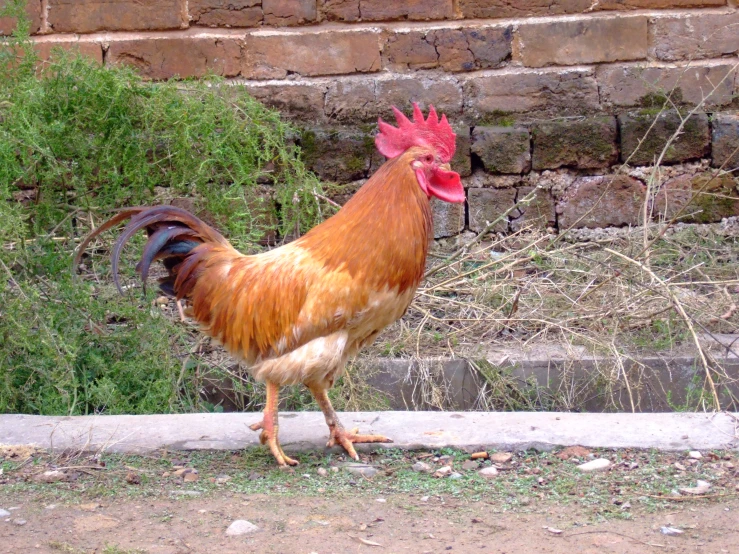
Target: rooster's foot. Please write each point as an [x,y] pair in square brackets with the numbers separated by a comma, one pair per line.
[268,436]
[347,439]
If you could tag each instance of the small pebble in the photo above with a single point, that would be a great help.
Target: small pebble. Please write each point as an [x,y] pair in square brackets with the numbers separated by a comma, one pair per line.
[695,455]
[421,467]
[443,471]
[4,513]
[671,531]
[19,522]
[322,472]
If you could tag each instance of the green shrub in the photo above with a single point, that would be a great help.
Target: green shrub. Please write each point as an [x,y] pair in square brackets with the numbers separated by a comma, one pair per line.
[78,140]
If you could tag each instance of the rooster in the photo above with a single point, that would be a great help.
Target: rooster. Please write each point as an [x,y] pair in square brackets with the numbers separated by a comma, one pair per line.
[297,313]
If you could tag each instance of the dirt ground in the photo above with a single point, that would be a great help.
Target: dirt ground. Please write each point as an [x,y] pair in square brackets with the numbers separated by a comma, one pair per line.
[539,502]
[304,525]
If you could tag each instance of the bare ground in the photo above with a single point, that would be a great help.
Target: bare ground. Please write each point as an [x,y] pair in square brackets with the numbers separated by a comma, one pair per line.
[400,524]
[178,503]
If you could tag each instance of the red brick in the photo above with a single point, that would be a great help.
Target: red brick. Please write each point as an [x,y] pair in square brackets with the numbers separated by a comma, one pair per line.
[582,41]
[564,92]
[161,58]
[462,160]
[339,155]
[300,101]
[93,50]
[273,56]
[352,100]
[225,13]
[451,49]
[694,36]
[644,136]
[657,4]
[289,12]
[448,218]
[523,8]
[88,16]
[632,85]
[33,10]
[381,10]
[703,198]
[606,201]
[585,143]
[539,213]
[502,149]
[725,141]
[401,92]
[486,205]
[409,51]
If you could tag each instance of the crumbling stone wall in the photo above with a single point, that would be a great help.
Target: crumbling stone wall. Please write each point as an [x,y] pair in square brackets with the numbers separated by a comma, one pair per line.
[556,93]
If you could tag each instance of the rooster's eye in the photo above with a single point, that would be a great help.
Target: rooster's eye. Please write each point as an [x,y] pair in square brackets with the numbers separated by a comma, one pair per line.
[428,159]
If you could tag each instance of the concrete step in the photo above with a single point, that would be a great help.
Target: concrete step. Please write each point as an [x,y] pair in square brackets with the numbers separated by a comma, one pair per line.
[306,431]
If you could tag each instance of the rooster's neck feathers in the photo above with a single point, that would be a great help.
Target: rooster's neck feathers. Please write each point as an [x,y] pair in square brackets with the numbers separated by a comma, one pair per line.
[382,233]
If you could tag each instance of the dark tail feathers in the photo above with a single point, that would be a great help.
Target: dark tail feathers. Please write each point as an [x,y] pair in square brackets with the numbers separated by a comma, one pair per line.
[173,234]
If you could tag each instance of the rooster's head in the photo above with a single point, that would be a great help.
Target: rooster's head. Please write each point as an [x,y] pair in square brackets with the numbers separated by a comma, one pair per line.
[433,144]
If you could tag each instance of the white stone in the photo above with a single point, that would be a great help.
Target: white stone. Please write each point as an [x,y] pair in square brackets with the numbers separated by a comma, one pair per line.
[695,455]
[241,527]
[488,472]
[596,465]
[4,513]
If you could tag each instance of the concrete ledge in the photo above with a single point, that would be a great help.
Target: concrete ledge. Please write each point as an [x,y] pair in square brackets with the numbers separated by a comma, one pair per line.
[304,431]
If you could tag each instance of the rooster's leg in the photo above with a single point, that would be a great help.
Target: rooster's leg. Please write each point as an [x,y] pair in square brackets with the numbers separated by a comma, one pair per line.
[269,426]
[339,435]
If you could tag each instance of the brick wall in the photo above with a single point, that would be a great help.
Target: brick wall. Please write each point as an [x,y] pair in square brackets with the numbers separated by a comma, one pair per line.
[556,93]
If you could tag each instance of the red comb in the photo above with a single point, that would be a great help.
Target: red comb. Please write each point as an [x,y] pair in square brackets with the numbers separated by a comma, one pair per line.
[433,132]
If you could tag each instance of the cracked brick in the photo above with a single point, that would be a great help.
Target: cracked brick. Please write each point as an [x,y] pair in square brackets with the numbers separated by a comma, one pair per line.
[225,13]
[451,49]
[540,213]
